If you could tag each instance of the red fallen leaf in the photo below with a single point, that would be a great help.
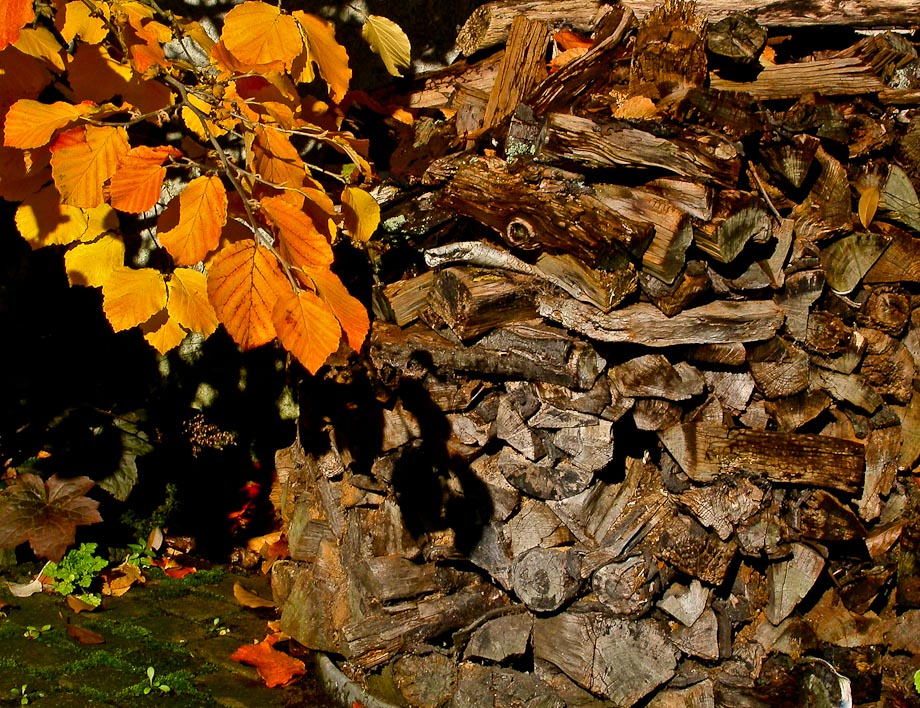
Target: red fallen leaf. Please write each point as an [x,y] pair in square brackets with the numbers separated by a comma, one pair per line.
[274,667]
[84,636]
[179,573]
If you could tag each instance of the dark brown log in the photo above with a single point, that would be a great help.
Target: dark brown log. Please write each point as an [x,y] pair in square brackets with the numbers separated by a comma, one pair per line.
[823,517]
[779,368]
[686,545]
[686,288]
[706,451]
[888,366]
[737,38]
[626,588]
[795,411]
[652,375]
[603,289]
[793,159]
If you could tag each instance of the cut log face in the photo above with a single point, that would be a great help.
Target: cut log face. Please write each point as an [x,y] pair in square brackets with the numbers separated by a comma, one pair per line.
[638,421]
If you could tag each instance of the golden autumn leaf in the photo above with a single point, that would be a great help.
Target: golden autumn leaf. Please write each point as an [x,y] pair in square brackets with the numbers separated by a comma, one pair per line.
[43,220]
[136,184]
[95,76]
[307,328]
[31,124]
[191,225]
[257,33]
[188,302]
[83,158]
[349,311]
[40,43]
[14,15]
[198,117]
[329,55]
[868,204]
[361,212]
[132,296]
[387,39]
[244,282]
[301,242]
[162,332]
[80,22]
[275,159]
[91,264]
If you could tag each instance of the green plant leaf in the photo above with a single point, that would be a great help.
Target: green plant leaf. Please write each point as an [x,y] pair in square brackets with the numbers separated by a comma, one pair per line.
[387,39]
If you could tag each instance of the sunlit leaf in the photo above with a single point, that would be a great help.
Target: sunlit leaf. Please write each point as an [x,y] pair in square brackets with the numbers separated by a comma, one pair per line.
[45,513]
[307,328]
[244,282]
[329,55]
[131,296]
[275,159]
[349,311]
[31,124]
[43,221]
[83,158]
[91,263]
[191,225]
[361,212]
[188,302]
[257,33]
[274,667]
[80,22]
[200,121]
[300,239]
[136,184]
[868,204]
[14,15]
[387,39]
[162,332]
[40,43]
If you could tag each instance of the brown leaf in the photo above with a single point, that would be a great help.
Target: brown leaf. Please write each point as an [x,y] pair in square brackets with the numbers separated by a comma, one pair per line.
[247,598]
[78,605]
[81,635]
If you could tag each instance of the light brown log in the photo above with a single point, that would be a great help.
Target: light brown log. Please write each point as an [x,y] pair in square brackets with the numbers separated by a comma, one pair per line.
[545,579]
[789,581]
[829,77]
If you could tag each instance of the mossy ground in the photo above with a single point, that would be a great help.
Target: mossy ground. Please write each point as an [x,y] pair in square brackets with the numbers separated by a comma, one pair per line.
[167,624]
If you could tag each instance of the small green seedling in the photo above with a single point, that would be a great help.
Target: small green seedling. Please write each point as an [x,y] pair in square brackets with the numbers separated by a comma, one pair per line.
[77,569]
[917,680]
[153,683]
[218,627]
[23,695]
[33,632]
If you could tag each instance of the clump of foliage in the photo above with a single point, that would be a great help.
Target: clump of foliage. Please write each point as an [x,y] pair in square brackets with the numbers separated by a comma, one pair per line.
[77,569]
[168,163]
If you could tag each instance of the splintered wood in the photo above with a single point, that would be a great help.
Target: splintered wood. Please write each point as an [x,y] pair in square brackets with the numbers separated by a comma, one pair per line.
[638,422]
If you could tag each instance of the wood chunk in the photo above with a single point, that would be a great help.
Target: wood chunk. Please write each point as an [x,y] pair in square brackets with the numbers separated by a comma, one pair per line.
[732,388]
[826,211]
[545,480]
[545,579]
[688,546]
[793,412]
[801,291]
[887,309]
[535,525]
[407,298]
[823,517]
[900,262]
[669,52]
[789,581]
[705,451]
[503,497]
[549,416]
[687,287]
[685,603]
[739,218]
[590,446]
[848,259]
[426,681]
[655,414]
[737,39]
[492,686]
[592,402]
[910,432]
[511,427]
[830,77]
[724,505]
[779,368]
[899,198]
[700,639]
[501,639]
[645,324]
[652,375]
[888,366]
[619,659]
[627,587]
[793,159]
[693,154]
[727,354]
[850,387]
[699,695]
[695,199]
[883,447]
[603,289]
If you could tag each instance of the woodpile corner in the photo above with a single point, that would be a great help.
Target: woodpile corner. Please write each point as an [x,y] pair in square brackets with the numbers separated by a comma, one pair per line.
[643,427]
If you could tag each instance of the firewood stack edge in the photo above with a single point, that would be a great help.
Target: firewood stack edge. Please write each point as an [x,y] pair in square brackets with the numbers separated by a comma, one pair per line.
[643,427]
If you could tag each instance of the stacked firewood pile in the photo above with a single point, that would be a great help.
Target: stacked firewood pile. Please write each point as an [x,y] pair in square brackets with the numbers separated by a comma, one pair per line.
[643,427]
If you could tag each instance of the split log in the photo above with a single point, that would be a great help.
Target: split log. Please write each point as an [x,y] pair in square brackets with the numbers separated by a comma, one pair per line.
[545,579]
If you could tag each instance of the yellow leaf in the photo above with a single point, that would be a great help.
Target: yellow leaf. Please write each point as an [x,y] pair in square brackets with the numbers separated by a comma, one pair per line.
[329,55]
[83,158]
[132,296]
[307,328]
[14,15]
[350,313]
[43,221]
[80,22]
[257,33]
[188,302]
[30,124]
[136,184]
[38,42]
[162,332]
[91,264]
[387,39]
[190,227]
[361,212]
[301,242]
[244,282]
[868,204]
[194,122]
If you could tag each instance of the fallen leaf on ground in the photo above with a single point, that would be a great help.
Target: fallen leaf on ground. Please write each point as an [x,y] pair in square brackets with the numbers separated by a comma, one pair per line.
[78,605]
[247,598]
[117,581]
[273,666]
[25,589]
[84,636]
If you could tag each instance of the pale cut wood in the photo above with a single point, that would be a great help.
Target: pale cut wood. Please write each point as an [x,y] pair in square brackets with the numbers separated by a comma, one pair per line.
[626,588]
[685,603]
[699,695]
[789,581]
[535,525]
[706,451]
[700,639]
[802,13]
[829,77]
[501,639]
[720,321]
[490,24]
[545,579]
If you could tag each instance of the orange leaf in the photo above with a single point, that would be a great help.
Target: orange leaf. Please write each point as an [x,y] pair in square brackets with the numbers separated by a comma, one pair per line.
[136,184]
[307,328]
[30,124]
[361,212]
[95,76]
[190,227]
[868,204]
[300,239]
[14,15]
[329,55]
[350,313]
[91,263]
[275,159]
[275,667]
[83,158]
[188,302]
[257,33]
[132,296]
[566,39]
[21,76]
[244,282]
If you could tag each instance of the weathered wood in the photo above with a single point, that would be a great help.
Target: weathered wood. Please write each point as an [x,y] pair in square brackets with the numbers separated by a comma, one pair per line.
[686,545]
[479,685]
[706,451]
[789,581]
[737,38]
[779,369]
[823,517]
[543,480]
[830,77]
[685,603]
[626,588]
[739,218]
[717,322]
[501,639]
[535,525]
[545,579]
[723,506]
[687,287]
